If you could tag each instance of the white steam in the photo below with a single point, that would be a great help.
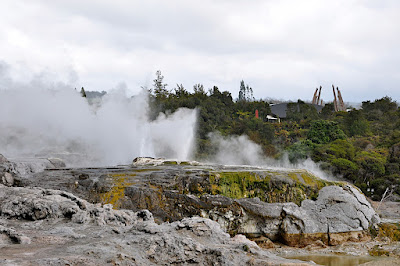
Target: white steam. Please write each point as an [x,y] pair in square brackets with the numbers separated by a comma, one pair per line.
[240,150]
[60,123]
[236,150]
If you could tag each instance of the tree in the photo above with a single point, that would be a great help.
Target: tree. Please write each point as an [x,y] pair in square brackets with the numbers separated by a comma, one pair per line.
[384,105]
[327,111]
[323,131]
[199,89]
[242,91]
[372,162]
[356,124]
[245,93]
[180,91]
[159,86]
[346,168]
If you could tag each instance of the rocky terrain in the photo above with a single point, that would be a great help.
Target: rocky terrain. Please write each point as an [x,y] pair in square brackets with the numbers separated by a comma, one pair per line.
[164,212]
[43,226]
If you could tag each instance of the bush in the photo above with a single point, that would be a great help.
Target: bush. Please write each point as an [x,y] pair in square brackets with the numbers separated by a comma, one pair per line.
[372,162]
[346,168]
[322,132]
[341,149]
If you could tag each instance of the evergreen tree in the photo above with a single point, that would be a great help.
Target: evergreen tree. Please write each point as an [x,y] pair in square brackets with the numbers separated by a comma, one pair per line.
[245,93]
[249,94]
[159,86]
[242,92]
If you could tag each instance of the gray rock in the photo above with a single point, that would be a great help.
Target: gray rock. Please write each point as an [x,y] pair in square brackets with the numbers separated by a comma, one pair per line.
[25,167]
[336,210]
[15,237]
[75,232]
[173,192]
[7,179]
[342,209]
[38,204]
[6,173]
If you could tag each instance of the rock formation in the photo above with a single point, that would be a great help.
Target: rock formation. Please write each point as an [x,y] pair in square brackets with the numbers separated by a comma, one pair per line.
[290,206]
[25,167]
[51,227]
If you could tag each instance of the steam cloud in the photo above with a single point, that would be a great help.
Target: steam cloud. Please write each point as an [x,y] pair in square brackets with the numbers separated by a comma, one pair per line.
[240,150]
[44,119]
[37,122]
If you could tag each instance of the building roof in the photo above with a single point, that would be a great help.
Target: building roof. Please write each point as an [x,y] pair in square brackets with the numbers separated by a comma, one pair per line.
[279,109]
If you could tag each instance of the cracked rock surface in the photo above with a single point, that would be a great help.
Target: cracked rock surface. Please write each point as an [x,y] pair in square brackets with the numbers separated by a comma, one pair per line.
[172,191]
[52,227]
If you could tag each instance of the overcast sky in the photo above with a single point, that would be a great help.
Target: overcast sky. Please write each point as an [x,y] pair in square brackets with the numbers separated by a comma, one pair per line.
[282,49]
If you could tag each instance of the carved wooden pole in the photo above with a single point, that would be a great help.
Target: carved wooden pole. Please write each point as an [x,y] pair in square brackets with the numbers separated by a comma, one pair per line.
[319,94]
[341,103]
[334,99]
[314,99]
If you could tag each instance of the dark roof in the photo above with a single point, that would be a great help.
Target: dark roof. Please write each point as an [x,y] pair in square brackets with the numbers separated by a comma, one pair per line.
[280,109]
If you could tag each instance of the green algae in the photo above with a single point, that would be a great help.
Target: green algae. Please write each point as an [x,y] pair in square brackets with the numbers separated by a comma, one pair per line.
[269,186]
[170,163]
[145,170]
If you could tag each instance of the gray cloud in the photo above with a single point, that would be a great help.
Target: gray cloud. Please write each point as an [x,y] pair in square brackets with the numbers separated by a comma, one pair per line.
[283,49]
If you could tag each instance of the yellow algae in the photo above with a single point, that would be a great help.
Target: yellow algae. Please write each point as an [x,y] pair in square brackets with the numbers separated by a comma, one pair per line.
[117,192]
[294,176]
[389,230]
[121,175]
[308,180]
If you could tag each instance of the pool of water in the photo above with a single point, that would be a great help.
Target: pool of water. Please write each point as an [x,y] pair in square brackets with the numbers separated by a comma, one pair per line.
[333,260]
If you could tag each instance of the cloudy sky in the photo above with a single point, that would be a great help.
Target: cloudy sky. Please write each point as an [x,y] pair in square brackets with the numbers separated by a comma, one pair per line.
[283,49]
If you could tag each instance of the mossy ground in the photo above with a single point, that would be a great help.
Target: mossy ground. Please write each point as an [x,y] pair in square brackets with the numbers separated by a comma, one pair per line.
[387,230]
[269,186]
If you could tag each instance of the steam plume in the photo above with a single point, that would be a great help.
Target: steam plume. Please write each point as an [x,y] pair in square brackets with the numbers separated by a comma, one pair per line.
[59,123]
[240,150]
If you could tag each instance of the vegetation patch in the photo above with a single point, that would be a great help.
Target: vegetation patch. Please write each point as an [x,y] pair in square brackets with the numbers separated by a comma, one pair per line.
[269,187]
[170,163]
[388,230]
[145,170]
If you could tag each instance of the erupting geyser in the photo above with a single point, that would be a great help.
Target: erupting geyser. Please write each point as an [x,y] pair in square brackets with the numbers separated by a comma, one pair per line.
[60,123]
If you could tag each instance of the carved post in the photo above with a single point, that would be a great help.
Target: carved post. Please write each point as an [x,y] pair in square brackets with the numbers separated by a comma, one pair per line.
[319,94]
[341,103]
[334,99]
[314,99]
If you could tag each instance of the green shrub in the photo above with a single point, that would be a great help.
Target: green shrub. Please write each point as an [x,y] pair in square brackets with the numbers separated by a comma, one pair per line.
[346,168]
[323,131]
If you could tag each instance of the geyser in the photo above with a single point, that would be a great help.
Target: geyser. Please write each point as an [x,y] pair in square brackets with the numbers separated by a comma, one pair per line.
[60,123]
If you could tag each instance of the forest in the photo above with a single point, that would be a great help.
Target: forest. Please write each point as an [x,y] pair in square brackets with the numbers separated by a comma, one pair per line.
[361,145]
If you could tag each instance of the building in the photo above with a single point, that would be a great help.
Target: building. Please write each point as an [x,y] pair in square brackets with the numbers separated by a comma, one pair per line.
[279,110]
